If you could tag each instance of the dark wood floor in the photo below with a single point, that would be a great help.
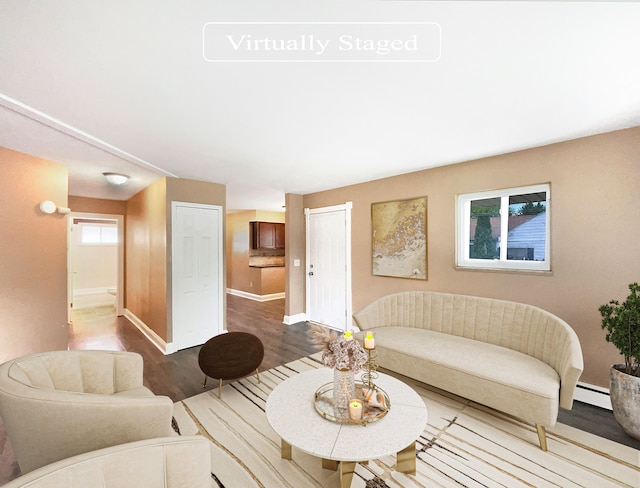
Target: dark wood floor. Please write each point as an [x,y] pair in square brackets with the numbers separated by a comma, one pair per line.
[178,375]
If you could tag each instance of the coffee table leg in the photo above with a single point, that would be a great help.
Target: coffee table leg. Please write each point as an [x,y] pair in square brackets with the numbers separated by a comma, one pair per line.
[285,450]
[346,470]
[346,473]
[406,459]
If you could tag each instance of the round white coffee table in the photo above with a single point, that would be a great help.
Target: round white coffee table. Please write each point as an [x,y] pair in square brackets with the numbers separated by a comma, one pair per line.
[292,414]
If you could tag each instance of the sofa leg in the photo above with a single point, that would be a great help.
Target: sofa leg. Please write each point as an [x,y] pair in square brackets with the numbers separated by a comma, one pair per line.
[542,436]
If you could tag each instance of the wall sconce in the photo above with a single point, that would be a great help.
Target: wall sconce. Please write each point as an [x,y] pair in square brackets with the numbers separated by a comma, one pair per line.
[116,178]
[48,207]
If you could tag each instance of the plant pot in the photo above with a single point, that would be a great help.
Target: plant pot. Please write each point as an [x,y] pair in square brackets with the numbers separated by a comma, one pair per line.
[625,400]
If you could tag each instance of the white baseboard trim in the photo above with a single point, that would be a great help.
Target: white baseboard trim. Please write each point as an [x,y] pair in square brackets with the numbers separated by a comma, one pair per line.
[92,291]
[593,395]
[155,339]
[253,296]
[294,319]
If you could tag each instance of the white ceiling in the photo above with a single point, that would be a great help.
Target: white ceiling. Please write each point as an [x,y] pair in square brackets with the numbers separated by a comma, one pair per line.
[123,86]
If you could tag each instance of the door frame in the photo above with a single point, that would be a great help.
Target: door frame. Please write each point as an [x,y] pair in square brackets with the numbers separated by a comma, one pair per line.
[172,346]
[346,208]
[120,260]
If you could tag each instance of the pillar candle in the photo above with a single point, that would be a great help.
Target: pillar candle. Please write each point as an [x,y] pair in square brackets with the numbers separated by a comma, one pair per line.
[355,410]
[348,335]
[369,341]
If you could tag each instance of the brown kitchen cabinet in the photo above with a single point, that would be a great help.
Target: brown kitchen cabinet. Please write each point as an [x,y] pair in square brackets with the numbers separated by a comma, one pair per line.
[267,235]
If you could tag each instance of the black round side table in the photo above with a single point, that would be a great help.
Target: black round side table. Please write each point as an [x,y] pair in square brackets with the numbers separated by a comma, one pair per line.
[230,356]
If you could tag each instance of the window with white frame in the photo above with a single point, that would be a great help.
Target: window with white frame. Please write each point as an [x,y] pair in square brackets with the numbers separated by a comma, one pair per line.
[504,229]
[98,233]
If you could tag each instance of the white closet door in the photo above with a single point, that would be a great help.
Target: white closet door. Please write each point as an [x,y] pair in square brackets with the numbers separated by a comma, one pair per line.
[197,281]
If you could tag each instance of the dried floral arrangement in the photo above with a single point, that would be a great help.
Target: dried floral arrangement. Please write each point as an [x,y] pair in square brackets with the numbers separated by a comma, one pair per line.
[337,352]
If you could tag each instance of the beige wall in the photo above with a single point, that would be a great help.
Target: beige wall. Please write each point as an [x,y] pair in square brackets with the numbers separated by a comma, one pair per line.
[241,277]
[295,250]
[33,256]
[194,191]
[97,205]
[595,233]
[146,251]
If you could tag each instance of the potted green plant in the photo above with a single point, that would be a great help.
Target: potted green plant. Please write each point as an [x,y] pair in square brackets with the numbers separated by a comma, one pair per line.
[622,323]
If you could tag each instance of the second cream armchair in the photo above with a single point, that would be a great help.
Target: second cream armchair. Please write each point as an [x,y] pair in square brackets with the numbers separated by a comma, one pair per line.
[55,405]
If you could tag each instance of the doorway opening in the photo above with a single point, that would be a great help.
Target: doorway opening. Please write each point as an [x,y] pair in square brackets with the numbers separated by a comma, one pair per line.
[95,266]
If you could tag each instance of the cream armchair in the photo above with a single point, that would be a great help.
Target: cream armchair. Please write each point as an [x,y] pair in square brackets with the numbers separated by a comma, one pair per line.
[55,405]
[168,462]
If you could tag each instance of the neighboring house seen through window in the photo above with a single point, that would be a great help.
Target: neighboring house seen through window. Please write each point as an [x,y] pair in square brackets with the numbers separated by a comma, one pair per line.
[504,229]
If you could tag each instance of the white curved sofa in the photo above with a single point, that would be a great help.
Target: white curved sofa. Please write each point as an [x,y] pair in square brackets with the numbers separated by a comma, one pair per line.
[58,404]
[510,356]
[167,462]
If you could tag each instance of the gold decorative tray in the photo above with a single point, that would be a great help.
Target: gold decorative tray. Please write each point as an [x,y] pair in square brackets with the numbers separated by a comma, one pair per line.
[323,401]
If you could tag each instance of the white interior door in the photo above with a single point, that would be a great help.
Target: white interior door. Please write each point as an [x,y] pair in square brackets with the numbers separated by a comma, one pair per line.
[329,266]
[197,269]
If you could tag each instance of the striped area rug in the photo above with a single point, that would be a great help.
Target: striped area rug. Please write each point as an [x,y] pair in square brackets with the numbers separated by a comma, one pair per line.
[464,445]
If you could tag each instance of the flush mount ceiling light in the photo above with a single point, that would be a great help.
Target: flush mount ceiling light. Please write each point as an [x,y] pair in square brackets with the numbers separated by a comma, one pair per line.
[116,178]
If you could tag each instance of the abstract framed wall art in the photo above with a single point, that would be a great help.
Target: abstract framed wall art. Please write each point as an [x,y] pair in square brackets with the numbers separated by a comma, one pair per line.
[399,238]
